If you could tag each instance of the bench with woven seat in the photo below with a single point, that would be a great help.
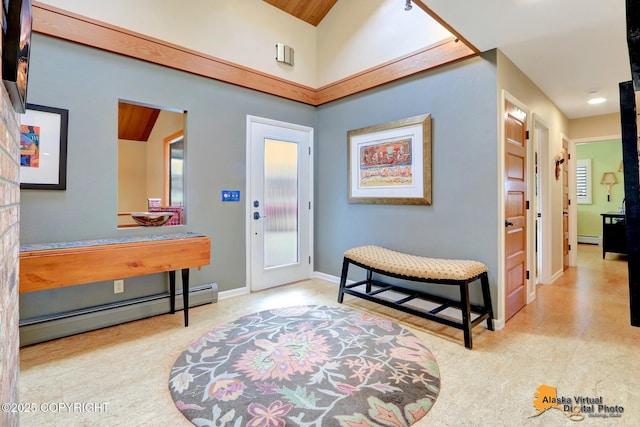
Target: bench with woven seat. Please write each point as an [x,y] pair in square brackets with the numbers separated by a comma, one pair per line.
[375,259]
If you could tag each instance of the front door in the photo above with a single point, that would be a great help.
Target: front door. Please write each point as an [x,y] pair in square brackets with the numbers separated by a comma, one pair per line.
[279,202]
[515,132]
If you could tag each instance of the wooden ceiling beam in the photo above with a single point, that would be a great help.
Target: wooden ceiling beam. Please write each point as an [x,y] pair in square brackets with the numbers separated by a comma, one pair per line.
[442,22]
[311,12]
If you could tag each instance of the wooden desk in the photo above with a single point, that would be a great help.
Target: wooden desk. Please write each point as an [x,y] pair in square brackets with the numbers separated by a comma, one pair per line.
[614,233]
[57,265]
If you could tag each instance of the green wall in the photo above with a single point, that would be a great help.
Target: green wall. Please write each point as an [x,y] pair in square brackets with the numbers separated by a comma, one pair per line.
[605,157]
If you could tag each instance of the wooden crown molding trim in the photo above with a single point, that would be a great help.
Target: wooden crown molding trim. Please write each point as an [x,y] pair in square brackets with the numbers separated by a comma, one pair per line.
[444,52]
[442,22]
[65,25]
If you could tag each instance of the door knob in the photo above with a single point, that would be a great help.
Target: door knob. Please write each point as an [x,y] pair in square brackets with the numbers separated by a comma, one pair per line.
[508,223]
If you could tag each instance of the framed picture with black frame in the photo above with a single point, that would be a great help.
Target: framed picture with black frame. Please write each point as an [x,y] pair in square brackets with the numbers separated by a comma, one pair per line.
[43,148]
[16,45]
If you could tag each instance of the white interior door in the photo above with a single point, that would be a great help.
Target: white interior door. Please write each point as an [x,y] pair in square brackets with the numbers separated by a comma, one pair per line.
[278,203]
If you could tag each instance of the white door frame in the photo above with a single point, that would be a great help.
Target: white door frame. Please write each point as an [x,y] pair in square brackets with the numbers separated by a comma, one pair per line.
[248,206]
[543,143]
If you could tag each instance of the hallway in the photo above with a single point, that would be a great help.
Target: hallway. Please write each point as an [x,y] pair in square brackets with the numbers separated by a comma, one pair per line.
[592,298]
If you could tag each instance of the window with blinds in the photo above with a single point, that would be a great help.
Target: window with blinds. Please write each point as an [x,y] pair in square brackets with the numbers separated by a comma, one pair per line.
[583,181]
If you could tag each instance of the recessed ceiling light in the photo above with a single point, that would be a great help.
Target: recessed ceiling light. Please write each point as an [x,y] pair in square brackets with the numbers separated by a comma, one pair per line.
[595,97]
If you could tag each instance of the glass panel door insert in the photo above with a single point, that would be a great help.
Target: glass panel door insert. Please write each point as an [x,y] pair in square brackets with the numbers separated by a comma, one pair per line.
[280,203]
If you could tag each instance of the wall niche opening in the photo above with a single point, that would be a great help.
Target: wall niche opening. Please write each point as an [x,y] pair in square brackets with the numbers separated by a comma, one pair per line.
[151,163]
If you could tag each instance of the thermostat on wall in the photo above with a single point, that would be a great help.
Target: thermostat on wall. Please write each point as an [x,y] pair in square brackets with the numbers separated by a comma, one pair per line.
[284,53]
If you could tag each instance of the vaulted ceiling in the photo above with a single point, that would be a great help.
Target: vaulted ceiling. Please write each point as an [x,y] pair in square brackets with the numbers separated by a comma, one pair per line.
[568,48]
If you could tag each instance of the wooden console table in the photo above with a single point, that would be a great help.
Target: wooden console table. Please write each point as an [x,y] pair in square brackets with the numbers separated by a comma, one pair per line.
[56,265]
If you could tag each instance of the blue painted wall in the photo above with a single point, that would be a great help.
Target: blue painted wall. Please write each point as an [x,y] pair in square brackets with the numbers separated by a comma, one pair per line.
[89,82]
[461,222]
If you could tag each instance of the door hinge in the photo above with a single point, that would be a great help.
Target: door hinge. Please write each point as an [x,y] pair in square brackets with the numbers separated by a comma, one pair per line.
[527,274]
[309,150]
[527,135]
[309,259]
[569,247]
[569,156]
[309,205]
[527,205]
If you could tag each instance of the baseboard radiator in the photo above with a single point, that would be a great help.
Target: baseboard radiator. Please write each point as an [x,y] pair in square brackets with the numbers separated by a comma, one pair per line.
[589,239]
[45,328]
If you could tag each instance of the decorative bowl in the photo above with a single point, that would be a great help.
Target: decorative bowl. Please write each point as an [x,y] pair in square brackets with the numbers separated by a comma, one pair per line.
[151,219]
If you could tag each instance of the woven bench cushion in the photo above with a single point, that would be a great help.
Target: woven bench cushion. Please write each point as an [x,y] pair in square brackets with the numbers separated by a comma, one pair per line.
[415,266]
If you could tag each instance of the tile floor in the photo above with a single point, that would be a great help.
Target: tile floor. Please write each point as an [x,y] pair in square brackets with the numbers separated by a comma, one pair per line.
[575,336]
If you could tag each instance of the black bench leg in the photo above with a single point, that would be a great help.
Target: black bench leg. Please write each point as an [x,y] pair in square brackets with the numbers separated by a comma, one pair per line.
[466,313]
[486,296]
[343,279]
[369,280]
[185,295]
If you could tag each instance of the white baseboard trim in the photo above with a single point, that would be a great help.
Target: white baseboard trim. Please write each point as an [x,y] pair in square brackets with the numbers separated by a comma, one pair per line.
[498,324]
[233,293]
[589,239]
[327,277]
[246,290]
[556,276]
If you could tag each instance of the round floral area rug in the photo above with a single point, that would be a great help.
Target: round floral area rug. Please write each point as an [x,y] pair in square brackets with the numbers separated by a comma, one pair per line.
[306,366]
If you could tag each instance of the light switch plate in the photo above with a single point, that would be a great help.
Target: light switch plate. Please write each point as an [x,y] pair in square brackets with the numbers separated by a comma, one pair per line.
[230,195]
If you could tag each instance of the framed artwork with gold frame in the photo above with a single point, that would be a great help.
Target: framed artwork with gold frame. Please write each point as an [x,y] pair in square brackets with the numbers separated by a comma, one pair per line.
[390,163]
